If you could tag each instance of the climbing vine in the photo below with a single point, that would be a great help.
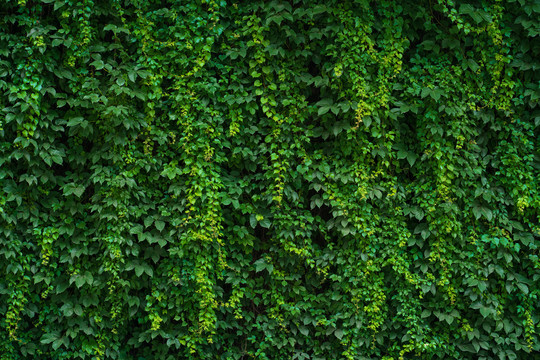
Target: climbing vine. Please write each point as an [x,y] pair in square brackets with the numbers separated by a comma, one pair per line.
[269,179]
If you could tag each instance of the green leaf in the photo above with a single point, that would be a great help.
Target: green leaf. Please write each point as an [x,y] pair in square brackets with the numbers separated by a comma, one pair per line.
[265,223]
[524,288]
[160,225]
[485,311]
[139,270]
[260,265]
[79,281]
[472,65]
[323,110]
[49,337]
[75,121]
[253,221]
[487,213]
[56,344]
[98,64]
[149,220]
[61,287]
[411,158]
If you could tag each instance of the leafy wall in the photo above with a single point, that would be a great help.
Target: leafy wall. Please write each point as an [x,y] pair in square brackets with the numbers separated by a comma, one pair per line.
[269,179]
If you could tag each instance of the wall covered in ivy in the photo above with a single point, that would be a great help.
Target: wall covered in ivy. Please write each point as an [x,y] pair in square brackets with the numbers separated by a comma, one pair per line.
[303,179]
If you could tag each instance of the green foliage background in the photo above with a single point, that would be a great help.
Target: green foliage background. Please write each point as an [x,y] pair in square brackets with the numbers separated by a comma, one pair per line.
[269,179]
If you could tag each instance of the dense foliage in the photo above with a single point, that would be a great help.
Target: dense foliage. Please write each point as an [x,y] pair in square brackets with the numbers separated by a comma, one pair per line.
[304,179]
